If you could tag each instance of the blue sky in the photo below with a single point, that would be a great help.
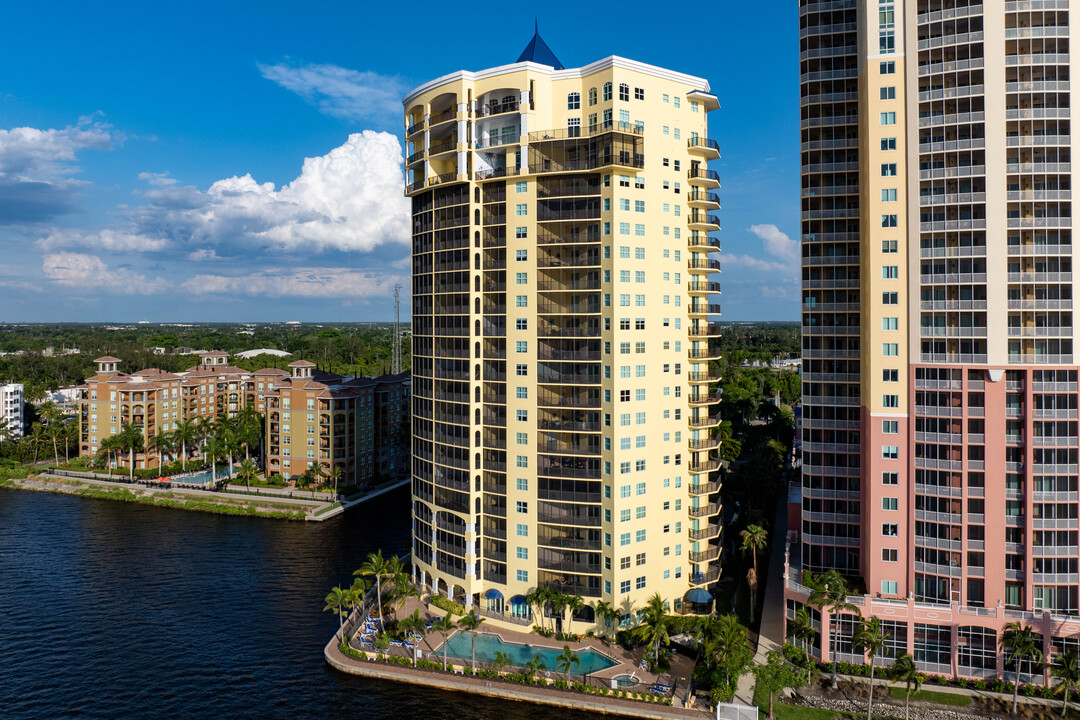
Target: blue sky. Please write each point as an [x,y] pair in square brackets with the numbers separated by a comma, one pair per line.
[226,161]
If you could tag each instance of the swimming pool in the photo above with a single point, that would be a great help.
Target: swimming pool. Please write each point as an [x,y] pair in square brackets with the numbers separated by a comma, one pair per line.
[200,478]
[460,646]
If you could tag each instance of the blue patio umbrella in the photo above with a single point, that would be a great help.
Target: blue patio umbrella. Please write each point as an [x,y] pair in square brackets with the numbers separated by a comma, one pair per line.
[699,595]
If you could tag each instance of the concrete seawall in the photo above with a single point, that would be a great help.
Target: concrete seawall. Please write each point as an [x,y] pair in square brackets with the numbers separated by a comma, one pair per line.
[504,690]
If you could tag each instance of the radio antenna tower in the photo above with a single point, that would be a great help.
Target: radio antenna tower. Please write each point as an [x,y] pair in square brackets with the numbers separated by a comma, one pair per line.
[396,369]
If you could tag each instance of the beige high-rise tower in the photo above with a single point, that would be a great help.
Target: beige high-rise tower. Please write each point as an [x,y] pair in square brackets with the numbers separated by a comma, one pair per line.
[564,413]
[940,384]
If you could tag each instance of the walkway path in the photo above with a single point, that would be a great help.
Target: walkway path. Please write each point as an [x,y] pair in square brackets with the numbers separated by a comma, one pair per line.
[771,631]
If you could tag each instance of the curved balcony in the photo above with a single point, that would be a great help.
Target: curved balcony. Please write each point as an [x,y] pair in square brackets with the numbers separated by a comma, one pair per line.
[415,157]
[700,242]
[706,533]
[416,128]
[703,354]
[703,178]
[709,376]
[706,466]
[703,330]
[703,288]
[704,309]
[704,578]
[702,221]
[701,200]
[442,117]
[703,266]
[705,421]
[705,510]
[703,147]
[707,555]
[705,488]
[443,148]
[711,443]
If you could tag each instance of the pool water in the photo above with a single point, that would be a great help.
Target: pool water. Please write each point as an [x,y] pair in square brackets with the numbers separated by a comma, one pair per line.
[460,646]
[626,680]
[200,478]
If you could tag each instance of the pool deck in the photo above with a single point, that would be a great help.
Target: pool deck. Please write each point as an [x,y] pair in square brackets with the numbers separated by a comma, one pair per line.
[626,664]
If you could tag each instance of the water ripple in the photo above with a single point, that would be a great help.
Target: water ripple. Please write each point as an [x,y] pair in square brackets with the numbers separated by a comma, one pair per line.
[111,610]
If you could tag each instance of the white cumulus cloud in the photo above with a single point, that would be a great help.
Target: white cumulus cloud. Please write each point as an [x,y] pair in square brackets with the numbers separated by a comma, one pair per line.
[107,239]
[351,199]
[36,169]
[777,243]
[340,92]
[295,282]
[90,273]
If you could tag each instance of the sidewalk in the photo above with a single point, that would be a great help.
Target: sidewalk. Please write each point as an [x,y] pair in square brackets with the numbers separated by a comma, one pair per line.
[771,630]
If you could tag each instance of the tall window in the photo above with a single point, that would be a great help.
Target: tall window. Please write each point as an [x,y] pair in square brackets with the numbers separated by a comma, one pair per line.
[624,91]
[573,101]
[607,91]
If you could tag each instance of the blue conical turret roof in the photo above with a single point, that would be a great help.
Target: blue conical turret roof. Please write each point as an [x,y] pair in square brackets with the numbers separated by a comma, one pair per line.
[537,51]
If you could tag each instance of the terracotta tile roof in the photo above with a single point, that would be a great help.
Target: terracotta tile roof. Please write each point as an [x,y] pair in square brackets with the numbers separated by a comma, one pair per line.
[108,358]
[302,364]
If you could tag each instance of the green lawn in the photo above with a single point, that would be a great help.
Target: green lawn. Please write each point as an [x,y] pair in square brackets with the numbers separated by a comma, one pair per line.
[940,698]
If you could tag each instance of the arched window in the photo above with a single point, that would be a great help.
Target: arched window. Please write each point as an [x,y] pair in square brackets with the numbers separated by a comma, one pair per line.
[573,101]
[592,96]
[607,91]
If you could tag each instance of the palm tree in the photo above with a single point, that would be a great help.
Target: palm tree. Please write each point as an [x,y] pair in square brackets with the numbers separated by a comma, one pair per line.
[337,474]
[535,665]
[654,628]
[444,625]
[230,443]
[500,660]
[905,671]
[1066,669]
[1019,643]
[726,641]
[558,601]
[184,434]
[871,638]
[754,540]
[565,660]
[37,438]
[379,567]
[204,430]
[751,584]
[829,591]
[338,598]
[162,442]
[249,429]
[403,585]
[248,471]
[213,451]
[538,597]
[413,624]
[469,623]
[55,431]
[132,439]
[575,604]
[801,629]
[604,613]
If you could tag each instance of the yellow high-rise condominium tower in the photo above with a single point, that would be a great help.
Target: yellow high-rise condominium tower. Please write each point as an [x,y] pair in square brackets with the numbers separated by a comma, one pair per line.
[564,408]
[940,378]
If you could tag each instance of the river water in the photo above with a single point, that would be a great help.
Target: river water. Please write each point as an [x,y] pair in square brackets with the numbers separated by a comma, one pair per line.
[116,610]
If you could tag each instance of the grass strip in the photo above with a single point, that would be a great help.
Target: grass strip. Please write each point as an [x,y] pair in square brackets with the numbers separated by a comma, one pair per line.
[897,693]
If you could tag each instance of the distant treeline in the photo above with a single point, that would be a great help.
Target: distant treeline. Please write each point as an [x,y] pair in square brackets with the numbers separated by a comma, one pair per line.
[345,348]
